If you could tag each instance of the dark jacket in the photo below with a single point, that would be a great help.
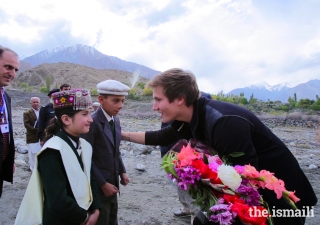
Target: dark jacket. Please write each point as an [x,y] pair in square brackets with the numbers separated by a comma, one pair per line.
[45,115]
[107,163]
[29,119]
[6,166]
[230,128]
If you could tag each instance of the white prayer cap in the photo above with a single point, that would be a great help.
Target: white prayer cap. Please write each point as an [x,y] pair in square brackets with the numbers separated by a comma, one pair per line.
[96,104]
[112,87]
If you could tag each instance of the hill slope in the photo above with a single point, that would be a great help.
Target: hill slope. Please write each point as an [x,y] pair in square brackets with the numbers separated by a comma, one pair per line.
[73,74]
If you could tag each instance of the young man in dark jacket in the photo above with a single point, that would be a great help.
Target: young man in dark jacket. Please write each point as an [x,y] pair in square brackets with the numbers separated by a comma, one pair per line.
[227,128]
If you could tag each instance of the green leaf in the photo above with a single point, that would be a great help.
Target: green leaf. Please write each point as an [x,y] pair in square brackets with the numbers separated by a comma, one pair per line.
[205,159]
[237,154]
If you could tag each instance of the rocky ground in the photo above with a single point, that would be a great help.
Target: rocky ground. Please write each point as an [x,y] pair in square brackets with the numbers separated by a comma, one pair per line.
[149,199]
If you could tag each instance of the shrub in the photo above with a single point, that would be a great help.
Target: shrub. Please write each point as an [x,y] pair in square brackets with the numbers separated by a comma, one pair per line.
[94,92]
[147,91]
[43,89]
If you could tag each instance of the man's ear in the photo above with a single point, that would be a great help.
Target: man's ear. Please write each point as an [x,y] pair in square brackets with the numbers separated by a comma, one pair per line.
[181,100]
[66,120]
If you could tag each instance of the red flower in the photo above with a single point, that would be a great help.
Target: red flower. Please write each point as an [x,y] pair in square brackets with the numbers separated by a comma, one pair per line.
[253,215]
[232,199]
[206,172]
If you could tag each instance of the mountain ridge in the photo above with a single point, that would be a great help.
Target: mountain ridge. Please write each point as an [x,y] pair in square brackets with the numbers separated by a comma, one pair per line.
[264,91]
[87,56]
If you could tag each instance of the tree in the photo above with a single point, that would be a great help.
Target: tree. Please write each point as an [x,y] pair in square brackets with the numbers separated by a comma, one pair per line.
[48,82]
[292,102]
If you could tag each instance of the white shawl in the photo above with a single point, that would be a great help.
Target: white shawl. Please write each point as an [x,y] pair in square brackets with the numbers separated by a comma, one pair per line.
[31,208]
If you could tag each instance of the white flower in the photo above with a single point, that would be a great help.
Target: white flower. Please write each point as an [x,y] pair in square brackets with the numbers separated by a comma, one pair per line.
[229,176]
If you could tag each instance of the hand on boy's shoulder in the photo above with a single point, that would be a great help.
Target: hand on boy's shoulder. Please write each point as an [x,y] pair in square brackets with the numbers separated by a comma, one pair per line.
[124,179]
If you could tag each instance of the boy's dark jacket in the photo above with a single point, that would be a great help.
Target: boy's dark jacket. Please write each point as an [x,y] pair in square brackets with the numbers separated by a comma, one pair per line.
[107,163]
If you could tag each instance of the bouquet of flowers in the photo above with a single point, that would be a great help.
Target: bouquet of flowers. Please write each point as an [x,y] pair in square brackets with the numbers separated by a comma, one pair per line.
[223,192]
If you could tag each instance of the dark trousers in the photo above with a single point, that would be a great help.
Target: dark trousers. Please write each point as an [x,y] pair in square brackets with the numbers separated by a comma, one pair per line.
[109,212]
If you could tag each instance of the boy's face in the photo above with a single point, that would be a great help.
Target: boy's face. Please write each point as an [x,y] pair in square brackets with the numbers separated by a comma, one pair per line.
[111,104]
[169,111]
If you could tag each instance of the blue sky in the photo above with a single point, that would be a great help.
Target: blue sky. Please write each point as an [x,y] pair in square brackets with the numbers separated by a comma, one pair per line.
[226,44]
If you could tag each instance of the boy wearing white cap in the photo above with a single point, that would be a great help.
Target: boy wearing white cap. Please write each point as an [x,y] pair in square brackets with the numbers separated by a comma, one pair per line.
[105,137]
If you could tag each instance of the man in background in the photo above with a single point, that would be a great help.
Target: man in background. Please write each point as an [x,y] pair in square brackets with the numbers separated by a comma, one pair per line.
[9,65]
[30,121]
[95,106]
[47,112]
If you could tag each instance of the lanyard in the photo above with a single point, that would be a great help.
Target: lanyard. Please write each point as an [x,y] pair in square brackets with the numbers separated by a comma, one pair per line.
[2,108]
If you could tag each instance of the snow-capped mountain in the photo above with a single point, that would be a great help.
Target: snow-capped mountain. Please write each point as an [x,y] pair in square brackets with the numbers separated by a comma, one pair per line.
[87,56]
[282,92]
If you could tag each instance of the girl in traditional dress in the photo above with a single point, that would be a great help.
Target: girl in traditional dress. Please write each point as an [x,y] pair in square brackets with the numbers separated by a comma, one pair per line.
[61,189]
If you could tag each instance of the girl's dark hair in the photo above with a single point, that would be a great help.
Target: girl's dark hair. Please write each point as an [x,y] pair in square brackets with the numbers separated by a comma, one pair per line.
[56,123]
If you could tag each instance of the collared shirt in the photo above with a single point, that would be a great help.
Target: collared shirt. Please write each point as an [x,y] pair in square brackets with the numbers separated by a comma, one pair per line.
[107,115]
[75,145]
[36,112]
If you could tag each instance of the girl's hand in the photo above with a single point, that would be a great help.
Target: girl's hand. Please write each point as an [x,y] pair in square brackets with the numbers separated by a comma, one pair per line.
[93,218]
[84,223]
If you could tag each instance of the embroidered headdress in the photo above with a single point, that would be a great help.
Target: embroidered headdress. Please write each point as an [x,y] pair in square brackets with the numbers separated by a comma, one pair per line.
[78,99]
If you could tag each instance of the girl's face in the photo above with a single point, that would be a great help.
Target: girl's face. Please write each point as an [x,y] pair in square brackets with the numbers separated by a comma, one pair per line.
[79,123]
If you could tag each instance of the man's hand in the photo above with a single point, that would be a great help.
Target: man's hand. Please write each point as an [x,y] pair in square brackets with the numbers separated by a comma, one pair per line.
[109,189]
[124,179]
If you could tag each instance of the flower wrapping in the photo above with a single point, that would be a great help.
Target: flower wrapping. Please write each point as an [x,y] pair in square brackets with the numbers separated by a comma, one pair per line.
[223,192]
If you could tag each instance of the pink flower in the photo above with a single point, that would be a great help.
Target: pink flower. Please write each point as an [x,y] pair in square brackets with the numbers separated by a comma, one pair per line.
[187,155]
[250,172]
[215,159]
[239,169]
[291,195]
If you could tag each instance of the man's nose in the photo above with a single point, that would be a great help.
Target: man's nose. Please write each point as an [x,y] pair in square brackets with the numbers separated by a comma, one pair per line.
[155,106]
[12,73]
